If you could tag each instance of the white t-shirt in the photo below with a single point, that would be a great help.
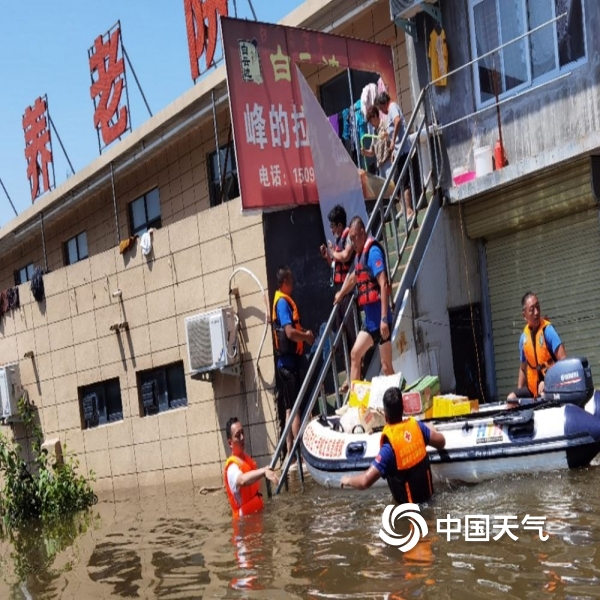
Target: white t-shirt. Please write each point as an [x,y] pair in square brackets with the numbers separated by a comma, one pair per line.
[233,471]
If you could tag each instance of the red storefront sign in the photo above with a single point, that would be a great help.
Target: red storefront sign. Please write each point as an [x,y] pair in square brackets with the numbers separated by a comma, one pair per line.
[202,27]
[38,148]
[275,164]
[107,69]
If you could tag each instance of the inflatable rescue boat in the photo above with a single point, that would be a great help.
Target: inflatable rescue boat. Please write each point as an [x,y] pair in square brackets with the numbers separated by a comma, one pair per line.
[559,432]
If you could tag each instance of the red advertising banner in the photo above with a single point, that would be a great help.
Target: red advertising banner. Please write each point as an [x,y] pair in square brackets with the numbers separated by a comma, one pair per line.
[275,163]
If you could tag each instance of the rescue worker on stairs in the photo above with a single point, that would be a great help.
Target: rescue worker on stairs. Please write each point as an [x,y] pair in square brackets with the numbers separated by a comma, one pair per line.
[540,347]
[289,339]
[339,257]
[402,458]
[370,277]
[241,475]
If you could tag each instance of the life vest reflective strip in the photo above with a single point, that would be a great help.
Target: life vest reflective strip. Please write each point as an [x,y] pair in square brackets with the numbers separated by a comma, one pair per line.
[341,268]
[412,481]
[250,494]
[538,355]
[283,345]
[366,283]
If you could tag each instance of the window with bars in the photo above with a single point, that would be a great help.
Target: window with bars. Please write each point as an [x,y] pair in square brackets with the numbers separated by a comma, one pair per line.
[100,403]
[542,55]
[162,388]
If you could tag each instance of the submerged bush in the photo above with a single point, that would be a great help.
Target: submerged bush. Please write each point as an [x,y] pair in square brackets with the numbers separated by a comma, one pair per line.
[41,488]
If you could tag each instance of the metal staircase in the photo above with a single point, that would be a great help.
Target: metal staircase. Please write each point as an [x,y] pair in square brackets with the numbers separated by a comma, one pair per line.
[404,243]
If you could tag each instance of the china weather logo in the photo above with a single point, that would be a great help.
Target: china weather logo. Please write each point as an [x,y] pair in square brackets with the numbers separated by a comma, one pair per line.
[418,529]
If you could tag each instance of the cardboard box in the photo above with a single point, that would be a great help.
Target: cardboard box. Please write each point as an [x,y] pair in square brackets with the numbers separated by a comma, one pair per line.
[371,419]
[418,397]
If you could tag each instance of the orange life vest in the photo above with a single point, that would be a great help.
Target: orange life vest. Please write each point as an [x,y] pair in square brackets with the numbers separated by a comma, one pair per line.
[539,356]
[250,494]
[341,268]
[412,481]
[283,345]
[367,285]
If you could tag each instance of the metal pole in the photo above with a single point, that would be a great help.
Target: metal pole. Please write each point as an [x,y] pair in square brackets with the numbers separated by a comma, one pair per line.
[353,116]
[214,111]
[135,77]
[112,182]
[11,202]
[252,9]
[61,144]
[44,242]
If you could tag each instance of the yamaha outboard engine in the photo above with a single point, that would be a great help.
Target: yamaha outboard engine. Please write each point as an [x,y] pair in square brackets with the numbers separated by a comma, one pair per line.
[569,381]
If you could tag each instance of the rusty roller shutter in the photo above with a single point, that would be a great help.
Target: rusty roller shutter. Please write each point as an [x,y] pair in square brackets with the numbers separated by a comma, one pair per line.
[542,197]
[559,261]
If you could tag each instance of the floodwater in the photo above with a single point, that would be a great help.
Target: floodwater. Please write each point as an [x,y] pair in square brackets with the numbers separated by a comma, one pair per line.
[319,543]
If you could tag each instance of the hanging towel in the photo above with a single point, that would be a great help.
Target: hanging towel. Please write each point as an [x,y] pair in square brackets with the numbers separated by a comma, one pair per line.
[126,244]
[3,303]
[335,123]
[367,98]
[381,87]
[438,55]
[146,243]
[37,284]
[12,295]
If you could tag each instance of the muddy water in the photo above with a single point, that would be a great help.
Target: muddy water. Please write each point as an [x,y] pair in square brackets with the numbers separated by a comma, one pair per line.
[321,544]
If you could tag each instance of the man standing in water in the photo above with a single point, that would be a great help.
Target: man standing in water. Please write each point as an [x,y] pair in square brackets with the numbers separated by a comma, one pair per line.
[540,347]
[241,475]
[402,458]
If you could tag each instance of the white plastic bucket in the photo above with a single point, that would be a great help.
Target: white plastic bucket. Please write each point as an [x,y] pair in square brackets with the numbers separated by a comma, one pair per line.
[483,160]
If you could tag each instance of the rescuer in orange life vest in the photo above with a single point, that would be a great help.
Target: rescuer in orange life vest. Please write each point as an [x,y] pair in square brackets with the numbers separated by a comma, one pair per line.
[402,458]
[241,475]
[370,278]
[540,347]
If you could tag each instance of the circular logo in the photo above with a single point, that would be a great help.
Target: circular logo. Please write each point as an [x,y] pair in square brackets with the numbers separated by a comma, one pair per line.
[418,529]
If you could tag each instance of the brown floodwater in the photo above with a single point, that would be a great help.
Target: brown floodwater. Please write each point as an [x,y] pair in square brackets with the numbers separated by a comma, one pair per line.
[318,543]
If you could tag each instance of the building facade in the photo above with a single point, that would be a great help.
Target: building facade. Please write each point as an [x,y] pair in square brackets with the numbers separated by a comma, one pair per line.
[113,318]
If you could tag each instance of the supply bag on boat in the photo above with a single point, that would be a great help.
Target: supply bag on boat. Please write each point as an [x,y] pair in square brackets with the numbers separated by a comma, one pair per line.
[379,386]
[349,419]
[418,396]
[359,393]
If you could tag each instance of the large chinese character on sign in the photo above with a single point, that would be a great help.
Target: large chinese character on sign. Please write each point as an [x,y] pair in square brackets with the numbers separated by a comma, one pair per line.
[38,147]
[202,27]
[107,70]
[272,113]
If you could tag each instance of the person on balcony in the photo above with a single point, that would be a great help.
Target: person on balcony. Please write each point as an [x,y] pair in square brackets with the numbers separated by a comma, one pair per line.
[289,339]
[380,147]
[396,131]
[370,278]
[241,474]
[402,458]
[540,347]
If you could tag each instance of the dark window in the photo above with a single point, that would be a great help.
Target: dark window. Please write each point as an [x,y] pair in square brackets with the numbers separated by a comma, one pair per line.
[162,388]
[231,188]
[335,94]
[76,249]
[539,56]
[100,403]
[144,213]
[24,274]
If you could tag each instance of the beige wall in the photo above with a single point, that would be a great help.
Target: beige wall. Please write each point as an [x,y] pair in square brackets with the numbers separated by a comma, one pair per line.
[194,255]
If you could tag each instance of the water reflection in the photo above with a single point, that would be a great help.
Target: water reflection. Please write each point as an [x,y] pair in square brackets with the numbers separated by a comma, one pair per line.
[317,543]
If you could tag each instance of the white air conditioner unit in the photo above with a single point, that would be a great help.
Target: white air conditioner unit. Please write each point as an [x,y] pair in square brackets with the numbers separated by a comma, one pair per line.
[212,340]
[407,9]
[10,392]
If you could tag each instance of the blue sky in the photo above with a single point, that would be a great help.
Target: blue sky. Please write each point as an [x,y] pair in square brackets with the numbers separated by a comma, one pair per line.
[44,51]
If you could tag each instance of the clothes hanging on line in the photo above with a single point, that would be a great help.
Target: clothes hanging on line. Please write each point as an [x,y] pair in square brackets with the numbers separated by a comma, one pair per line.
[438,55]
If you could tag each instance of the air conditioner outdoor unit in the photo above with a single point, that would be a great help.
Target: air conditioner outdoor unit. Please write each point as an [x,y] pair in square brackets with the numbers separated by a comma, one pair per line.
[211,340]
[407,9]
[10,392]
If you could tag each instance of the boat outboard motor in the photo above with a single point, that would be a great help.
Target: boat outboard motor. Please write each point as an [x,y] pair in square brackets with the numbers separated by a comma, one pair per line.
[569,381]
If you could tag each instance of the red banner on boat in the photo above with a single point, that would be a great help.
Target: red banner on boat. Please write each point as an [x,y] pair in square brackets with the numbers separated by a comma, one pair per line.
[275,163]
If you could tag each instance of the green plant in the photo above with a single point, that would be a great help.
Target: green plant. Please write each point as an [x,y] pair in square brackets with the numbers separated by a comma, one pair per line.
[38,489]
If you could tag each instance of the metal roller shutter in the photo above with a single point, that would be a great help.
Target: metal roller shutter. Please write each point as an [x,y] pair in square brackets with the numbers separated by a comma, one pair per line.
[560,262]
